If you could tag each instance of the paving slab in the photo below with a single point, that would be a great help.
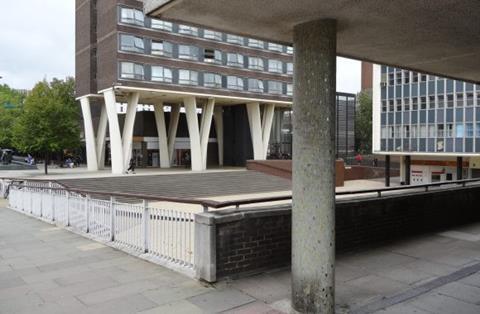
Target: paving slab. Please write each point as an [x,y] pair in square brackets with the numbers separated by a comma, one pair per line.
[220,301]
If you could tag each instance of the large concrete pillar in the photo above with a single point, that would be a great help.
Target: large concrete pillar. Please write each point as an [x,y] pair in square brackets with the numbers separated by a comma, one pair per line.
[190,104]
[132,102]
[255,123]
[459,168]
[116,149]
[90,144]
[408,171]
[387,170]
[162,136]
[218,118]
[205,127]
[172,130]
[313,214]
[101,135]
[267,122]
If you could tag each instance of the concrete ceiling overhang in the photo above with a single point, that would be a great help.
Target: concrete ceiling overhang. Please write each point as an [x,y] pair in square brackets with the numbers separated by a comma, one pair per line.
[440,37]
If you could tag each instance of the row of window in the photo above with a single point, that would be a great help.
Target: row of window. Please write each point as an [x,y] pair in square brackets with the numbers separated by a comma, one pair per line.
[449,130]
[136,17]
[137,44]
[135,71]
[431,102]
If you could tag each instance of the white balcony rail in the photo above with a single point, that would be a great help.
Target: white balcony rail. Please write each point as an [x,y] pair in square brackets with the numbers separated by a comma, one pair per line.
[162,235]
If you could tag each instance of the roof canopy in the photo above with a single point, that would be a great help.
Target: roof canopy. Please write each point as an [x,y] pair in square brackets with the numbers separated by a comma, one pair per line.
[432,36]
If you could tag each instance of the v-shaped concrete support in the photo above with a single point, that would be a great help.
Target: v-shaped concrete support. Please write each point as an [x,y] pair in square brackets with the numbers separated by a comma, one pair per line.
[260,130]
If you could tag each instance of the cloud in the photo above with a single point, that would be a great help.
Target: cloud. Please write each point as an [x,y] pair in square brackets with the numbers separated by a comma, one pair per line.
[37,41]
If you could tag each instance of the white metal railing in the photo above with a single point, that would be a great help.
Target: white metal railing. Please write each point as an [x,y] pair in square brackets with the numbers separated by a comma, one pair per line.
[165,234]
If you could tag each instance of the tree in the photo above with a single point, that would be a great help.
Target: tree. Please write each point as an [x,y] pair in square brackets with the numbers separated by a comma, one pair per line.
[49,121]
[363,123]
[11,102]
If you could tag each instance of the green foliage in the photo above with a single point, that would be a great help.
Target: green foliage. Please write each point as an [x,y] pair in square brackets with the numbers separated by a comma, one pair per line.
[11,102]
[363,126]
[49,121]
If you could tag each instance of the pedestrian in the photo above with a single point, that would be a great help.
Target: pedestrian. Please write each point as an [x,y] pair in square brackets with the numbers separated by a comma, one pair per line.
[131,166]
[358,159]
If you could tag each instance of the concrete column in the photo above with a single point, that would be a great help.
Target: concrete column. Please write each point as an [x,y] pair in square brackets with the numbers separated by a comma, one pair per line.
[255,122]
[402,169]
[218,116]
[172,130]
[132,102]
[313,213]
[101,135]
[387,170]
[408,163]
[267,122]
[459,168]
[190,104]
[92,163]
[205,130]
[116,149]
[162,136]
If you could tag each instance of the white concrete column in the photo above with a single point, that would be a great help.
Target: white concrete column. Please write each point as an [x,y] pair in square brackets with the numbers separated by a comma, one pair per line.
[172,130]
[255,122]
[313,182]
[162,136]
[101,135]
[132,102]
[116,149]
[190,104]
[218,116]
[205,127]
[92,163]
[268,112]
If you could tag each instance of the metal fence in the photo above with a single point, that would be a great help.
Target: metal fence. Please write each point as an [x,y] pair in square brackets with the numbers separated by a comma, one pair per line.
[130,224]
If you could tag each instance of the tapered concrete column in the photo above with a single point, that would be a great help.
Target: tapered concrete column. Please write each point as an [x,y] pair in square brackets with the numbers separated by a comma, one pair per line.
[92,163]
[205,130]
[313,213]
[162,136]
[218,116]
[101,135]
[132,102]
[172,130]
[190,104]
[116,150]
[255,122]
[402,169]
[268,112]
[387,170]
[459,168]
[408,171]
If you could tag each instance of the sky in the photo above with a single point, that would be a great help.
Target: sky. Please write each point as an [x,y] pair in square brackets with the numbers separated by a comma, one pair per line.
[37,41]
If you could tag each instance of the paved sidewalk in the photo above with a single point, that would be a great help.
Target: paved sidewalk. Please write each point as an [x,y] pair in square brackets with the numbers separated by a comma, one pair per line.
[44,269]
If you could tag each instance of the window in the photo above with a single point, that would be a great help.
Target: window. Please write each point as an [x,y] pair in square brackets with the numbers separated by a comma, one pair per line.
[398,131]
[384,132]
[289,89]
[399,77]
[129,70]
[478,97]
[212,80]
[187,77]
[235,59]
[290,68]
[391,79]
[255,43]
[275,66]
[131,16]
[469,129]
[234,39]
[477,132]
[431,102]
[213,35]
[256,63]
[234,82]
[423,131]
[188,52]
[414,133]
[162,25]
[255,85]
[449,130]
[414,103]
[423,102]
[275,47]
[188,30]
[459,130]
[450,101]
[132,43]
[459,99]
[391,132]
[431,78]
[212,56]
[275,87]
[406,131]
[290,50]
[431,131]
[406,104]
[161,74]
[406,77]
[415,77]
[440,130]
[469,101]
[441,101]
[399,105]
[423,78]
[162,48]
[391,105]
[384,106]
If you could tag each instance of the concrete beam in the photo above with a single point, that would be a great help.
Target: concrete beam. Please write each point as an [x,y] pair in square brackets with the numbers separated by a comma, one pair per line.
[92,162]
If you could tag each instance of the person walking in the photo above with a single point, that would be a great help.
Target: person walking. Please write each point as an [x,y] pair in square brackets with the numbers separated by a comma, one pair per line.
[131,166]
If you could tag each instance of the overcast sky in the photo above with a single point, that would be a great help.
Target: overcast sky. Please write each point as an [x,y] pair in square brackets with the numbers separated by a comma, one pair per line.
[37,40]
